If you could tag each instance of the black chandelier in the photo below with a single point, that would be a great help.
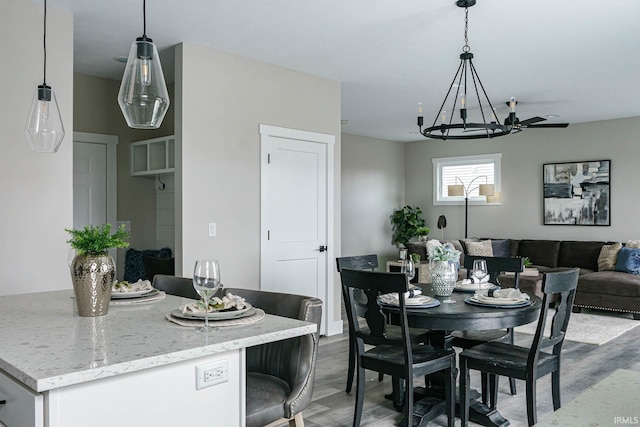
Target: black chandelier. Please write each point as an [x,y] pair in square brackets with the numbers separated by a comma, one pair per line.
[490,127]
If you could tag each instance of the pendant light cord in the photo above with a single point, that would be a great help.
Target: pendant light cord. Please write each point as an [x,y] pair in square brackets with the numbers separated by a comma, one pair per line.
[44,45]
[144,18]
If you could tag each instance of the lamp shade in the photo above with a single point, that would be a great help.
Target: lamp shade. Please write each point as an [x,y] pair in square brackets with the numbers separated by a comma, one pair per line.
[44,127]
[485,189]
[455,190]
[143,95]
[496,197]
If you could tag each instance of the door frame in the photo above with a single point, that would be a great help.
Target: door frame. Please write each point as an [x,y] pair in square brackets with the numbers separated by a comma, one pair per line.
[331,327]
[111,143]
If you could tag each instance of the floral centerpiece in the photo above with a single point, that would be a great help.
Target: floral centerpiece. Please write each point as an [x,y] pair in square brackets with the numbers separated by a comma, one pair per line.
[444,260]
[93,269]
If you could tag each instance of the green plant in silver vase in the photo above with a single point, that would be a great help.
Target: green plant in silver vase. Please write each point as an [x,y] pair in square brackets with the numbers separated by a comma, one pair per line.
[444,260]
[92,268]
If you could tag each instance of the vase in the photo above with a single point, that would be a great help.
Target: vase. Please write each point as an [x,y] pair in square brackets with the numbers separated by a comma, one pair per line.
[443,275]
[92,277]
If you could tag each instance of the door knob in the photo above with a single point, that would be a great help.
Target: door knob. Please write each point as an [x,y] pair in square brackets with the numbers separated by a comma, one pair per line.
[322,248]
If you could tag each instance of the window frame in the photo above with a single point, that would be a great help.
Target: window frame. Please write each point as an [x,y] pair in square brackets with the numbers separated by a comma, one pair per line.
[439,163]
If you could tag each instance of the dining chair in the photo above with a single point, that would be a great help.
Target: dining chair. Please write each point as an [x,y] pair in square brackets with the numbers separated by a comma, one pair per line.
[528,364]
[469,339]
[173,285]
[280,375]
[370,262]
[393,356]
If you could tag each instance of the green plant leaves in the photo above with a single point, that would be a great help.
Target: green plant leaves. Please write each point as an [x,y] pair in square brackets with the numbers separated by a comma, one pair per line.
[406,223]
[94,240]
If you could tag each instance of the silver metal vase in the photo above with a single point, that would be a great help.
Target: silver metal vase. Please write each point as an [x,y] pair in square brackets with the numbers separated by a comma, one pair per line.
[92,277]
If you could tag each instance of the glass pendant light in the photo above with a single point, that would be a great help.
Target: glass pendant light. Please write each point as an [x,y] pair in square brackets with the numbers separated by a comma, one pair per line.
[143,96]
[44,125]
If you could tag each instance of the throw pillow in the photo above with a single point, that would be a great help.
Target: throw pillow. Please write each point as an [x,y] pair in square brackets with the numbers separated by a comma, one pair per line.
[633,244]
[482,248]
[608,257]
[628,260]
[500,248]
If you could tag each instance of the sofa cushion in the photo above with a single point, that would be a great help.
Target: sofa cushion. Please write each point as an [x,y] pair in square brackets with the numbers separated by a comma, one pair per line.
[628,261]
[482,248]
[610,283]
[608,256]
[501,248]
[540,252]
[579,254]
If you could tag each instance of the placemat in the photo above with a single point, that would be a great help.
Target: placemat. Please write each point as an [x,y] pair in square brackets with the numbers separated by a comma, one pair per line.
[258,316]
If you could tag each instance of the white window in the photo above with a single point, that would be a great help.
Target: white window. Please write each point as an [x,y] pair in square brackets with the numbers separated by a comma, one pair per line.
[470,171]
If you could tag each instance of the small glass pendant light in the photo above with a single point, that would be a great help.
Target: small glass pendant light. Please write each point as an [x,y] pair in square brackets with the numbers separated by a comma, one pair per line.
[44,125]
[143,96]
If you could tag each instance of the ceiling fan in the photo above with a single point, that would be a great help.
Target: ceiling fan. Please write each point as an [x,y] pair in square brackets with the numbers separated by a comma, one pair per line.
[531,123]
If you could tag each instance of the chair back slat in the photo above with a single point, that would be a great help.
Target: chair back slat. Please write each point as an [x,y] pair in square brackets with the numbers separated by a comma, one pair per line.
[561,285]
[497,266]
[358,262]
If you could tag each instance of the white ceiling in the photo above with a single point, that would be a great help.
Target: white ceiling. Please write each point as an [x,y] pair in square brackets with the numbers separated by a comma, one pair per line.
[578,59]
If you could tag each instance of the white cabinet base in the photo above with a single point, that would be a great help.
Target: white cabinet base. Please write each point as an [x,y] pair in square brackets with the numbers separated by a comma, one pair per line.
[161,396]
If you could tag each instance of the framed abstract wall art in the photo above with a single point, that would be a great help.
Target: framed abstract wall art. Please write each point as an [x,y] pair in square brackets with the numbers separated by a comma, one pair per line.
[577,193]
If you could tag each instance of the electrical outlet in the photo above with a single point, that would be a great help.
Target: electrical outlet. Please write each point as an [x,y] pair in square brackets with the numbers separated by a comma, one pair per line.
[212,373]
[212,229]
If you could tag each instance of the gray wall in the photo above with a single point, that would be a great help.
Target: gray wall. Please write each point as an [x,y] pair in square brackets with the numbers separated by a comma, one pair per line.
[523,154]
[373,181]
[36,190]
[218,113]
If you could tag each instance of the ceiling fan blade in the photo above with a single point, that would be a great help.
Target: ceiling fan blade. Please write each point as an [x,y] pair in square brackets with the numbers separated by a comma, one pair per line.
[531,121]
[549,125]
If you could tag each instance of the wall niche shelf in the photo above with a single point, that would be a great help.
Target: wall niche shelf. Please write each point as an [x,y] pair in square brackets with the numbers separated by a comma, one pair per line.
[153,156]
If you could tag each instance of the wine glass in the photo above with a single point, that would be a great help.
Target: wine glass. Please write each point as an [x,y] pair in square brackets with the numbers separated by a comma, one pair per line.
[479,270]
[206,281]
[409,269]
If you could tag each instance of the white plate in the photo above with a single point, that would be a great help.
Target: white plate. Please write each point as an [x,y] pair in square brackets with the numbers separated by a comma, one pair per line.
[409,302]
[133,294]
[498,301]
[216,315]
[472,287]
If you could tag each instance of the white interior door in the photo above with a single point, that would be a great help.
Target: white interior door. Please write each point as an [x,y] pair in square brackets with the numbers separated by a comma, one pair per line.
[295,215]
[94,180]
[89,184]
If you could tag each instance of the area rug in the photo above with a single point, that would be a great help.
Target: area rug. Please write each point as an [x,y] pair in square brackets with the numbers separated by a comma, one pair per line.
[587,328]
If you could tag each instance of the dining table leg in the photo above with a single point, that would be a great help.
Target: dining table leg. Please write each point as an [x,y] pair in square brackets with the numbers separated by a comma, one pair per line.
[428,398]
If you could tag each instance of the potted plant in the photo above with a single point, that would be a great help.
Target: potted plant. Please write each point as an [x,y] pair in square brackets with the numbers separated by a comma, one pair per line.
[406,222]
[423,233]
[444,260]
[93,269]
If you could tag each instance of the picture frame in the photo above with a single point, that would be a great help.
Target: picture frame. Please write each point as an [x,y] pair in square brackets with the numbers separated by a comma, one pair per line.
[577,193]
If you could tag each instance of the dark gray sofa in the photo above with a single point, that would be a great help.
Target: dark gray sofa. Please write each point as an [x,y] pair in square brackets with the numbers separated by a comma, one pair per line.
[603,290]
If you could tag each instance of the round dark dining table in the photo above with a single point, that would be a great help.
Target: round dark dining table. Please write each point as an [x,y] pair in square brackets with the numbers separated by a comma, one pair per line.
[461,316]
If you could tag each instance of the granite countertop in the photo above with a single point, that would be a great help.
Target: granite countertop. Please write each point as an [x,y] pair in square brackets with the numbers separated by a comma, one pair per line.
[46,345]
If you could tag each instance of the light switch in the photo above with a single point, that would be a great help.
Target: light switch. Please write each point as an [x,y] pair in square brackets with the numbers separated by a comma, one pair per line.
[212,229]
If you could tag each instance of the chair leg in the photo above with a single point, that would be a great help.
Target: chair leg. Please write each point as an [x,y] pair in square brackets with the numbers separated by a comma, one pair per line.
[555,389]
[512,386]
[359,397]
[296,421]
[397,392]
[408,403]
[450,391]
[352,364]
[531,401]
[464,392]
[380,376]
[493,391]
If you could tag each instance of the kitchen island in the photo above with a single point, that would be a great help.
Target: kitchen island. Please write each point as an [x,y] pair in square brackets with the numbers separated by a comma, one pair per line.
[129,367]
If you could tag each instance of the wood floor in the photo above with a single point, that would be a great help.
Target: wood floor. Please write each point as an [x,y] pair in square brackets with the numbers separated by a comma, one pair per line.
[583,365]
